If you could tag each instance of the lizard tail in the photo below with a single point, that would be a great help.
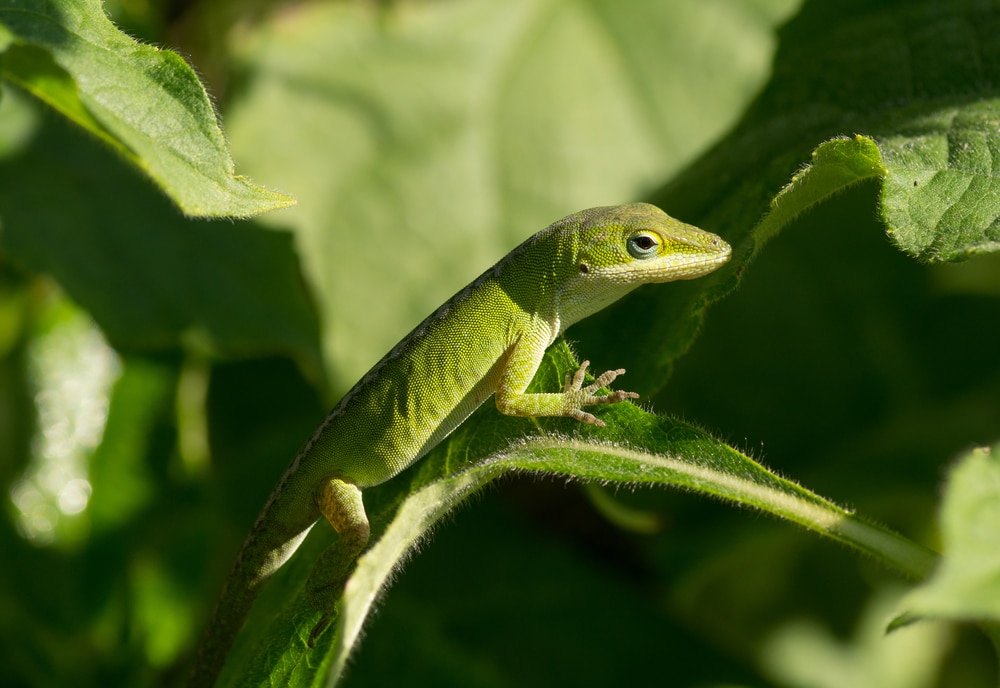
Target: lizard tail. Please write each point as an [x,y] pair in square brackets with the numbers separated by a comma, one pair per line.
[263,552]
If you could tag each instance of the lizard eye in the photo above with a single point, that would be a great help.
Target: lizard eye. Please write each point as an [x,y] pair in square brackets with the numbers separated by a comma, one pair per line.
[643,245]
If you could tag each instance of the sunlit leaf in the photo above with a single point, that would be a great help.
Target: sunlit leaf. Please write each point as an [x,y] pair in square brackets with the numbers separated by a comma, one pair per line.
[966,584]
[144,102]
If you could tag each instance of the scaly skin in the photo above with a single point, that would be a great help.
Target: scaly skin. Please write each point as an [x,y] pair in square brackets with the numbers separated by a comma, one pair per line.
[487,340]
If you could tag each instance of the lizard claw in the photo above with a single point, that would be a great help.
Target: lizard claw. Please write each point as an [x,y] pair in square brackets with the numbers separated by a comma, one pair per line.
[575,383]
[584,417]
[587,395]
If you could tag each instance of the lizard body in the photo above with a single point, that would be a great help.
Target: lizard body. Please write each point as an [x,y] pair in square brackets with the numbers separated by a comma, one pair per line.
[487,340]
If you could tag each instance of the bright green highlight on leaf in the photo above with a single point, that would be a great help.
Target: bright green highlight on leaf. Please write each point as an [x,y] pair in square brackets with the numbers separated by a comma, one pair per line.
[942,196]
[74,370]
[836,165]
[633,520]
[804,653]
[966,585]
[144,102]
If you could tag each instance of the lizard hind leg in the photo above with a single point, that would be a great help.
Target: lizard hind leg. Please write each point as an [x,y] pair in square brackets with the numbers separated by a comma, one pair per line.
[341,504]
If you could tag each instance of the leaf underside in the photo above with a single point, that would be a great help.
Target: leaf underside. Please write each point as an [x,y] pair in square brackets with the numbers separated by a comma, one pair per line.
[145,103]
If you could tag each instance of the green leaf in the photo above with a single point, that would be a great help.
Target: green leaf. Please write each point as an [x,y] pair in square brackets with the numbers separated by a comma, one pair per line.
[152,279]
[637,448]
[966,584]
[836,165]
[909,76]
[144,102]
[803,653]
[426,139]
[940,198]
[845,68]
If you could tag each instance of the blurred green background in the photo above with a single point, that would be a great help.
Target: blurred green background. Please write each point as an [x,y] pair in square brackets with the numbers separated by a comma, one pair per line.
[157,373]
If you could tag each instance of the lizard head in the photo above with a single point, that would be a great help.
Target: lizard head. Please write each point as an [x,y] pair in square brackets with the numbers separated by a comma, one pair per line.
[609,251]
[639,243]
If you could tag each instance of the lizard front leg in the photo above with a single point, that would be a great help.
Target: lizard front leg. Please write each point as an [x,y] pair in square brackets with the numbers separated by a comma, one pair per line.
[523,359]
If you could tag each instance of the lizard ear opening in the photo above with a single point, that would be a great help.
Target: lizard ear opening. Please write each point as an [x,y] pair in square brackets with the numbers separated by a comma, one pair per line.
[584,269]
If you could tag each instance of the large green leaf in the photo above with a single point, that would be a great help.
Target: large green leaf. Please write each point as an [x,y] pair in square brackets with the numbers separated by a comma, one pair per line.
[636,448]
[144,102]
[424,140]
[918,78]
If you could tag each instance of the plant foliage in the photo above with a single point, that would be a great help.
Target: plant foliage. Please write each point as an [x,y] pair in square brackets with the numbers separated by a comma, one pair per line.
[157,371]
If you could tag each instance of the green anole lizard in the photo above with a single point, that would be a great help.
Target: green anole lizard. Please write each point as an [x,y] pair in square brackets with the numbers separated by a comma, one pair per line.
[487,340]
